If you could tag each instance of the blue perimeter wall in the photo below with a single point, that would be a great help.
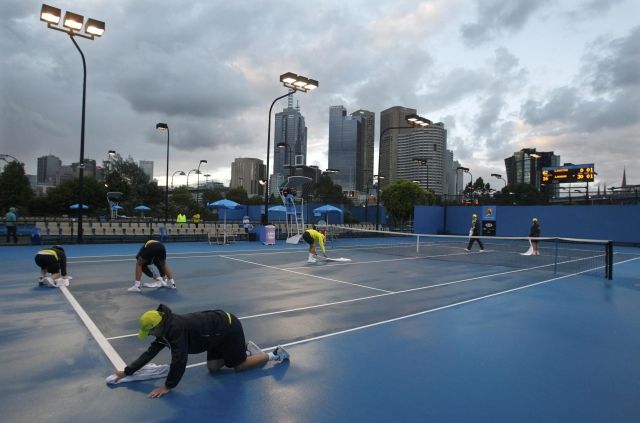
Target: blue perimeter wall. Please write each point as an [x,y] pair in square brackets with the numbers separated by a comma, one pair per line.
[620,223]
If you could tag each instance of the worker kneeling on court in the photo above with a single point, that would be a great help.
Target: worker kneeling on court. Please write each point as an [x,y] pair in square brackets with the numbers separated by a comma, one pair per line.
[217,332]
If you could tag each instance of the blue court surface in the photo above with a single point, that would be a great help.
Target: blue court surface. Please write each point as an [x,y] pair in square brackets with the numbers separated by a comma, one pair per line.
[380,338]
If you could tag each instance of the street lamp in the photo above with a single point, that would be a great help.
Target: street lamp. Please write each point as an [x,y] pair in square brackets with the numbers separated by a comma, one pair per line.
[198,187]
[294,83]
[164,127]
[71,25]
[378,177]
[189,173]
[535,157]
[498,176]
[423,162]
[181,173]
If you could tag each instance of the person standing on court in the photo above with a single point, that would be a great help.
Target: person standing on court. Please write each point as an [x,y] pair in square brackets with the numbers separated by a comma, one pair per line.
[474,233]
[153,252]
[534,232]
[181,218]
[217,332]
[313,237]
[52,260]
[10,222]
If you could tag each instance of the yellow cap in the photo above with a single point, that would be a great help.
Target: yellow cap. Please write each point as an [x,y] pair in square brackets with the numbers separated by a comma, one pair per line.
[149,320]
[474,216]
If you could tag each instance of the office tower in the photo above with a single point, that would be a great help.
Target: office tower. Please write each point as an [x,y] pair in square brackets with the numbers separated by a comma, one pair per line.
[525,166]
[393,117]
[247,173]
[368,122]
[48,168]
[291,133]
[428,144]
[147,168]
[345,149]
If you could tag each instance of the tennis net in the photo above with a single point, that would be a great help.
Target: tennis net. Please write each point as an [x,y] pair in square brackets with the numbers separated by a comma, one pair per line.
[558,255]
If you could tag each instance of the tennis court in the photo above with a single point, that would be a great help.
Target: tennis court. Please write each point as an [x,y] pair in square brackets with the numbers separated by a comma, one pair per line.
[392,335]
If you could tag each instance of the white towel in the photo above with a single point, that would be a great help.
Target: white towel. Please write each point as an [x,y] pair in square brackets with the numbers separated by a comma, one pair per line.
[150,371]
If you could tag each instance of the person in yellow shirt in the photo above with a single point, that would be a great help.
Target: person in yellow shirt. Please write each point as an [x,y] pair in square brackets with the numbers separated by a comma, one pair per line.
[313,237]
[196,219]
[182,218]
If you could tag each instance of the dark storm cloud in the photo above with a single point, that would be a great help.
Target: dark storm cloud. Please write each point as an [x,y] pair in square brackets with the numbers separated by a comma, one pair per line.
[497,17]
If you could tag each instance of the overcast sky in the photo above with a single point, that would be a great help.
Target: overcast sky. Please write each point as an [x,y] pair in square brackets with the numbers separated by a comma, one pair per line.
[560,76]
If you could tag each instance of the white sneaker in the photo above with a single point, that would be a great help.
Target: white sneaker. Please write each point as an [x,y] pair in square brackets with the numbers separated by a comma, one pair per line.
[156,284]
[482,251]
[281,354]
[135,288]
[311,260]
[253,349]
[467,250]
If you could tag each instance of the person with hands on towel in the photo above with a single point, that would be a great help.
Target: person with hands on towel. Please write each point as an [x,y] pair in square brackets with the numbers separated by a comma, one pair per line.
[216,332]
[313,237]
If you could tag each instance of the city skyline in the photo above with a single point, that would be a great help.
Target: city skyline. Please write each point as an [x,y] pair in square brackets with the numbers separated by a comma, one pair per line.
[501,76]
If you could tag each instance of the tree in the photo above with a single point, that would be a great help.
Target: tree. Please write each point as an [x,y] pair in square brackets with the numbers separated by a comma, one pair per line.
[237,194]
[326,191]
[61,197]
[521,194]
[136,186]
[181,201]
[15,190]
[400,197]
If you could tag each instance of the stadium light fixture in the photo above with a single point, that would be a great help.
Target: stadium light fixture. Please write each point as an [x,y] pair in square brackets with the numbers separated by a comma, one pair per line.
[71,25]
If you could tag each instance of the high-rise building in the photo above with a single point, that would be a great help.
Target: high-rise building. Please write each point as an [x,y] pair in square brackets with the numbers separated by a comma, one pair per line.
[147,167]
[453,179]
[345,149]
[368,122]
[525,166]
[90,169]
[247,173]
[291,132]
[428,144]
[48,167]
[394,117]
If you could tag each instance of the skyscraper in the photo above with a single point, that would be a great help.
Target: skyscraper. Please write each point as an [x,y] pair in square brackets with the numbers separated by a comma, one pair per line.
[430,144]
[291,131]
[525,166]
[393,117]
[48,168]
[345,149]
[247,173]
[147,167]
[368,122]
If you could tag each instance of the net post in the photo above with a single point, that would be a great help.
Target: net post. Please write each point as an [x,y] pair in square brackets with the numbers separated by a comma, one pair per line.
[608,272]
[555,258]
[418,246]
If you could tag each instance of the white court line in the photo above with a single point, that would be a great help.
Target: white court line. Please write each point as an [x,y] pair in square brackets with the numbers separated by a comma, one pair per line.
[111,353]
[408,316]
[306,274]
[352,300]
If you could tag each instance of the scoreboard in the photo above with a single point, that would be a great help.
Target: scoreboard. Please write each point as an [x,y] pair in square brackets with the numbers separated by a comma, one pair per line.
[567,174]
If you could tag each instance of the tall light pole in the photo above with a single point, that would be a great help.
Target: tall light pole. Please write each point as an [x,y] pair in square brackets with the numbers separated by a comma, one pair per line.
[164,127]
[198,187]
[181,173]
[189,173]
[294,83]
[71,25]
[498,176]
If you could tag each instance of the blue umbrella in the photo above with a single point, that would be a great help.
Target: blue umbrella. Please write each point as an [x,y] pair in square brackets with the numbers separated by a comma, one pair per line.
[142,208]
[327,208]
[225,205]
[77,206]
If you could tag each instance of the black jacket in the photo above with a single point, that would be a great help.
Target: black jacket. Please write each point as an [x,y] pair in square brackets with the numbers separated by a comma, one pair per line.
[184,334]
[475,225]
[535,230]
